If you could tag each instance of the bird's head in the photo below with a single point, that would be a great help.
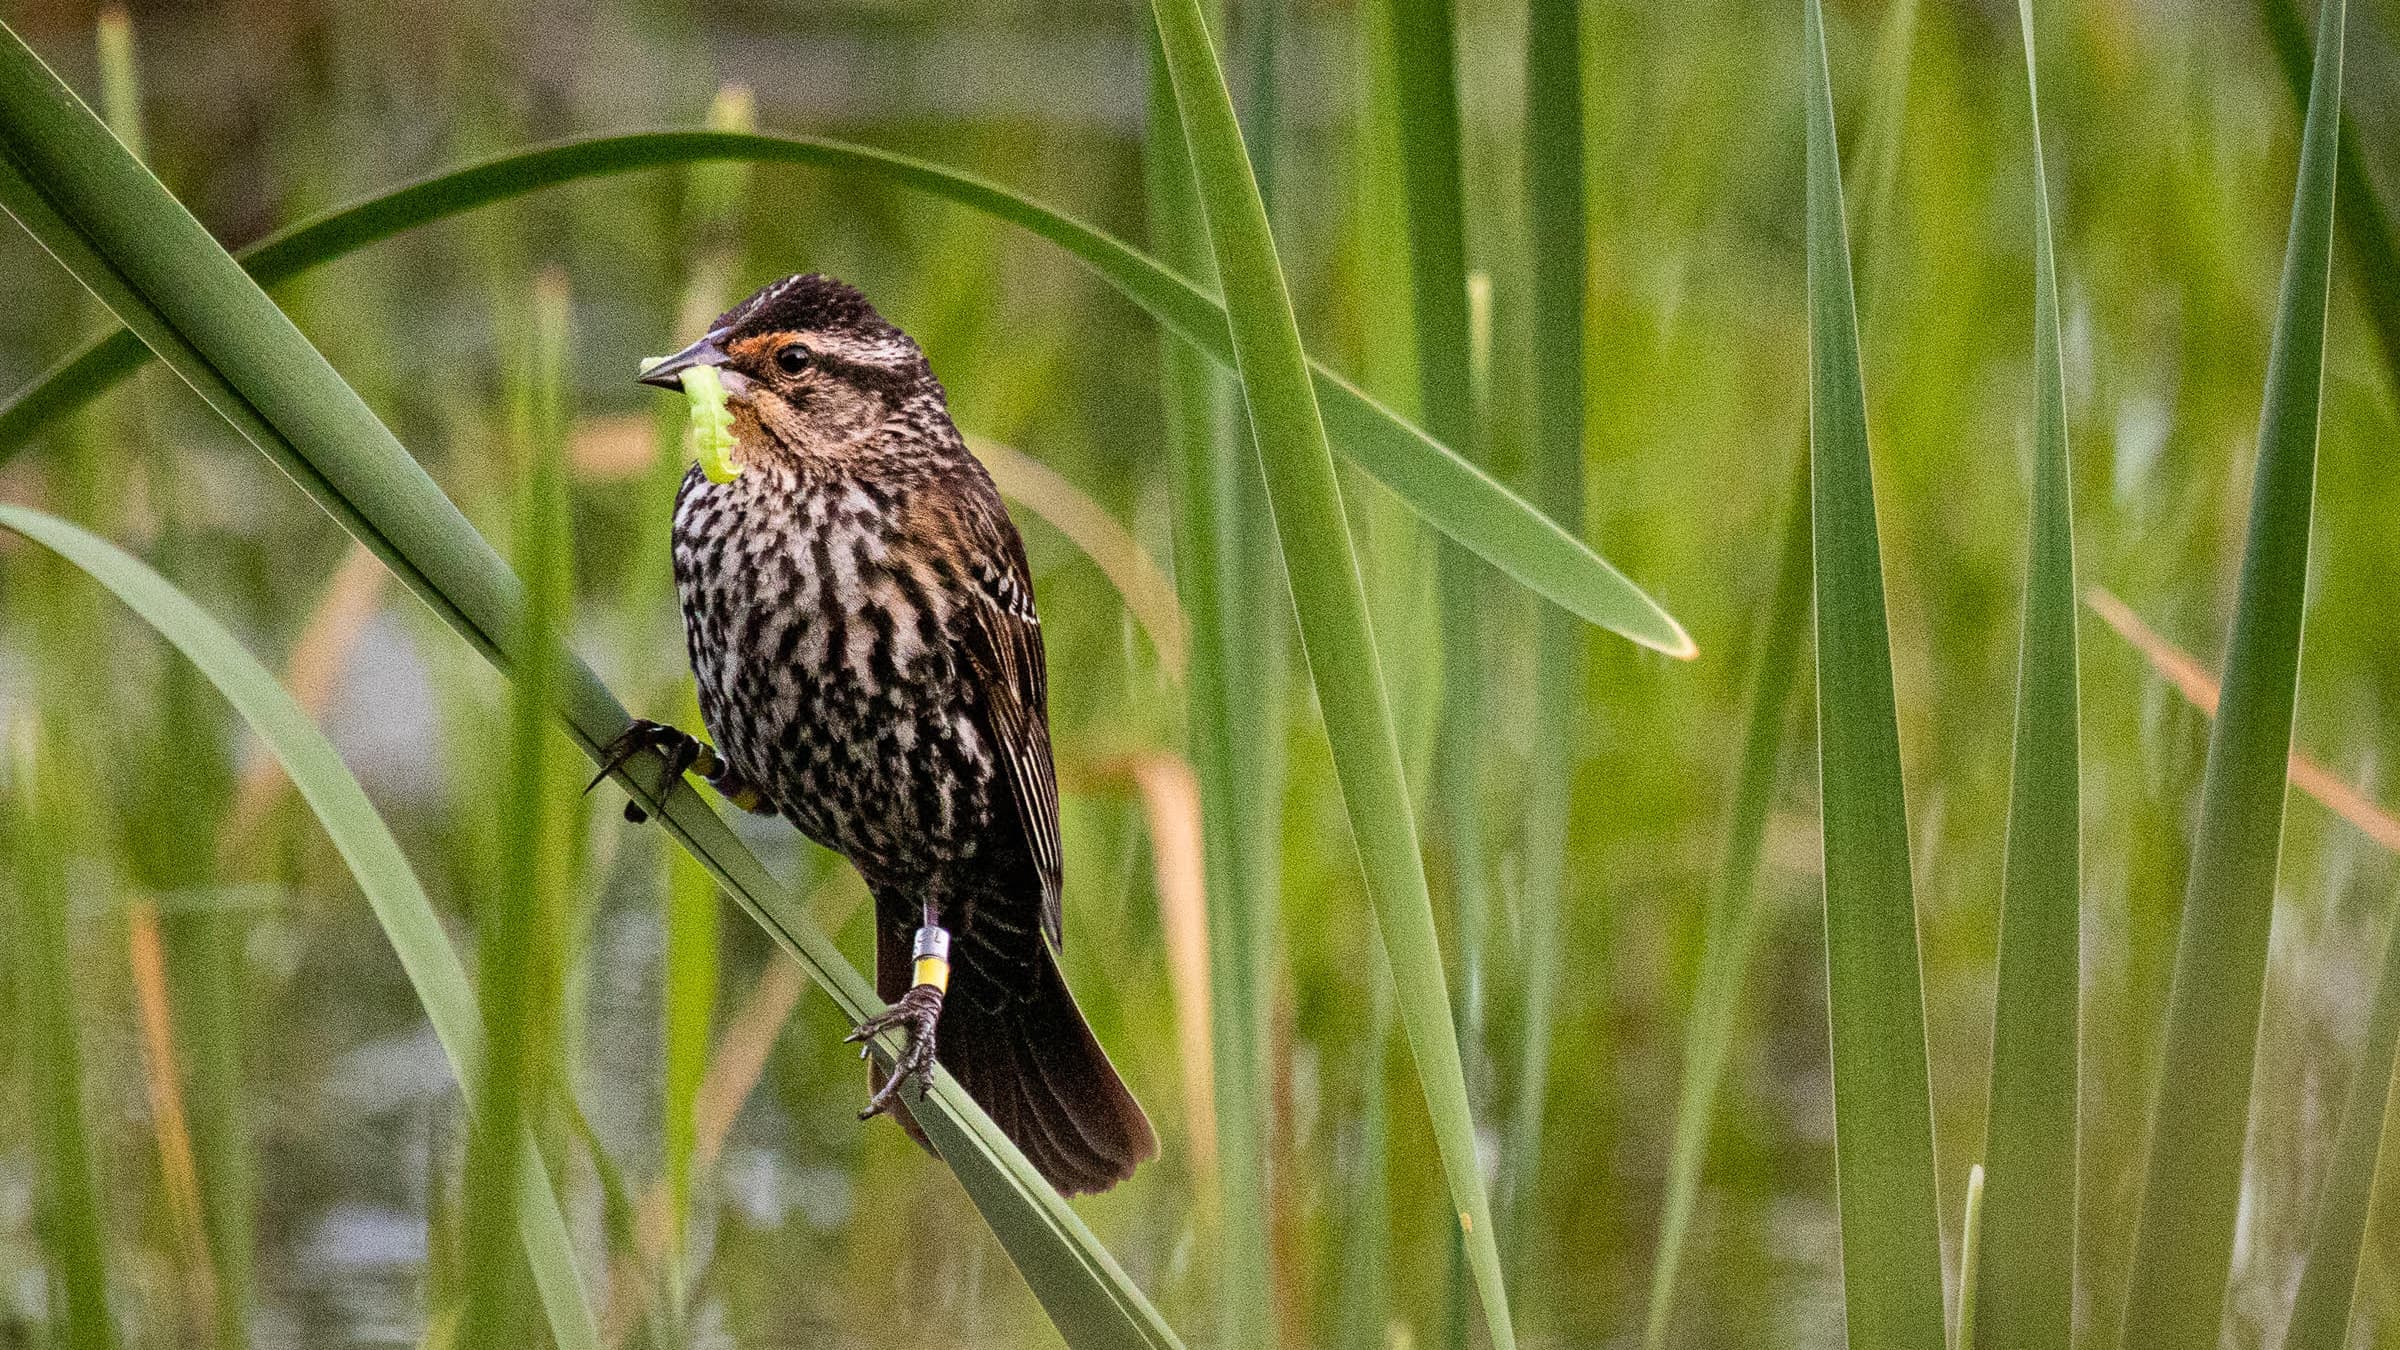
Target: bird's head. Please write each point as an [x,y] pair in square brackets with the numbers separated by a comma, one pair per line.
[810,370]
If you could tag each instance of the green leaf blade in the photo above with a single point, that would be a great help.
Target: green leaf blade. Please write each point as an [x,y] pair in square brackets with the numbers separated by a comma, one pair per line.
[1230,691]
[2027,1279]
[2329,1278]
[1420,52]
[2183,1242]
[1554,177]
[1329,598]
[1891,1244]
[67,1200]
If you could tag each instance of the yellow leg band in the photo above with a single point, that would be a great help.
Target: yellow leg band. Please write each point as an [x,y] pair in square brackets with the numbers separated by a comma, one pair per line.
[935,971]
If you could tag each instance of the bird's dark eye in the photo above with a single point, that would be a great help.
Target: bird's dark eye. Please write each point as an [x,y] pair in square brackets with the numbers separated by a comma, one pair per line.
[792,360]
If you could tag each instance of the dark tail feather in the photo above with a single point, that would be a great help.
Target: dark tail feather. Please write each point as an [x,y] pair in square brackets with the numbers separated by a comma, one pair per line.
[1035,1068]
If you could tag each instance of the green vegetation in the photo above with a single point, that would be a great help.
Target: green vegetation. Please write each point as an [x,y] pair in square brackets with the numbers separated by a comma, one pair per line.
[1490,982]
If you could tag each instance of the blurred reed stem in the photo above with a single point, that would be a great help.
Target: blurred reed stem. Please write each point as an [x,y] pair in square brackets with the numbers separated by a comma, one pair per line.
[2192,1188]
[1364,1290]
[522,923]
[66,1190]
[178,796]
[1231,696]
[1736,911]
[1424,80]
[1554,186]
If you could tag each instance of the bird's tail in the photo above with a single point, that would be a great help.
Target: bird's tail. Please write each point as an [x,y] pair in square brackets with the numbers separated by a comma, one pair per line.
[1035,1068]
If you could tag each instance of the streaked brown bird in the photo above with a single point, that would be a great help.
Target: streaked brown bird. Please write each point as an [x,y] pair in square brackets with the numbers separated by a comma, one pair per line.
[861,622]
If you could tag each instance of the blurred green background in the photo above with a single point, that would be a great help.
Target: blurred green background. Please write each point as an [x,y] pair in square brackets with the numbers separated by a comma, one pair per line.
[2171,138]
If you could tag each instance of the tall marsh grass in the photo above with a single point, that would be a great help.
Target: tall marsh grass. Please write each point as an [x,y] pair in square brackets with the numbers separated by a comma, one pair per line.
[1492,981]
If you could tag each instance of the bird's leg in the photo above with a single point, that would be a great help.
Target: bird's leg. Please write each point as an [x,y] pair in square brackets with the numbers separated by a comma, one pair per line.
[681,751]
[919,1010]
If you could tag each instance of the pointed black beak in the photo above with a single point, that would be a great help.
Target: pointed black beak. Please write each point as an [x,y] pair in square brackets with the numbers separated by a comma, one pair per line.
[665,374]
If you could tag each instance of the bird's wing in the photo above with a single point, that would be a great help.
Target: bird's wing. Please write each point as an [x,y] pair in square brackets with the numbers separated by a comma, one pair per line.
[1007,647]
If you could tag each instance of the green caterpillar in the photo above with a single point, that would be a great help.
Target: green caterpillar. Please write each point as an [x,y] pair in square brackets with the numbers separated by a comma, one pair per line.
[711,422]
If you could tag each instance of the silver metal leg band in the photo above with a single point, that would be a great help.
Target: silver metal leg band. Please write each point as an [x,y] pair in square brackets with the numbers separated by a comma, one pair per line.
[933,942]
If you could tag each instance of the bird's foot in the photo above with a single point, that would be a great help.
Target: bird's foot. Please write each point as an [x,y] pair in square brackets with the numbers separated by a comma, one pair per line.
[679,749]
[918,1011]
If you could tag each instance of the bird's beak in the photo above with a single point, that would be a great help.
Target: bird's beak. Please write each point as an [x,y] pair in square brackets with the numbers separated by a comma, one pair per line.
[665,373]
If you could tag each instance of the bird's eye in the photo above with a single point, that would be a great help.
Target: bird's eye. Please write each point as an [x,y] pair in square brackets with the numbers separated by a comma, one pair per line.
[792,359]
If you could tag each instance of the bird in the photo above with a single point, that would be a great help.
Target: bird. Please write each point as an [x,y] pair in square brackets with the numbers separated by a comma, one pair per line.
[861,626]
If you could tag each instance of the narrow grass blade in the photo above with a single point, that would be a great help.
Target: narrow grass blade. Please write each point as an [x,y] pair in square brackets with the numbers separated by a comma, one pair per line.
[1424,61]
[1736,913]
[2321,1311]
[131,243]
[2183,1243]
[1362,1293]
[2329,1279]
[1424,79]
[1330,602]
[2368,233]
[366,845]
[1451,494]
[67,1194]
[1883,1124]
[522,924]
[1554,175]
[689,1002]
[2028,1280]
[1216,478]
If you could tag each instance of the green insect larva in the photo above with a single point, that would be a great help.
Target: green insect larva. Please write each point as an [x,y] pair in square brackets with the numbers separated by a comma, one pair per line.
[711,421]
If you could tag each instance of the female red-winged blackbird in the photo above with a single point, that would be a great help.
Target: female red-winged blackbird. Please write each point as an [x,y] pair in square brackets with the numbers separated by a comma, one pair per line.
[861,621]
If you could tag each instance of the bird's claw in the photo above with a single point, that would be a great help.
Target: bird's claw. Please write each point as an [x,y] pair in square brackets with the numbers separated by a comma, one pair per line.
[678,748]
[918,1012]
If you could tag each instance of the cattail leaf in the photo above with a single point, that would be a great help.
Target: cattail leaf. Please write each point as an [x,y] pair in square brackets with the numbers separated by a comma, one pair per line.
[1329,600]
[1737,912]
[1883,1122]
[67,1191]
[2192,1192]
[1423,78]
[2027,1279]
[1554,190]
[1231,693]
